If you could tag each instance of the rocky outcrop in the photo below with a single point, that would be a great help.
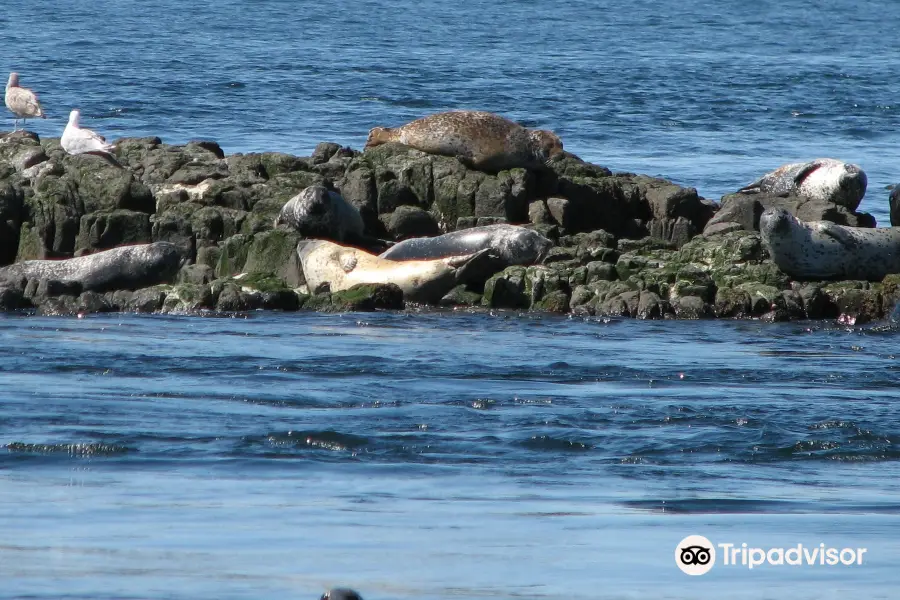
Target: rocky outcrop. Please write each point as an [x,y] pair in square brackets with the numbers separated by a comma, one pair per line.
[626,245]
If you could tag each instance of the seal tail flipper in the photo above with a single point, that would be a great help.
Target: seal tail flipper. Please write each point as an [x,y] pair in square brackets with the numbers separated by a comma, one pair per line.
[753,188]
[476,267]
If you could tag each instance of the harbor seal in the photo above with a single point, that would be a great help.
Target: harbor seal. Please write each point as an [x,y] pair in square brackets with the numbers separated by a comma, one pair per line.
[824,179]
[341,594]
[317,212]
[341,267]
[513,245]
[817,250]
[127,267]
[480,140]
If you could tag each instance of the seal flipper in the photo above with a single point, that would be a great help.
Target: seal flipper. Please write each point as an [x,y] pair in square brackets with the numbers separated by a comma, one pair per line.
[476,267]
[837,233]
[753,188]
[805,171]
[466,162]
[348,261]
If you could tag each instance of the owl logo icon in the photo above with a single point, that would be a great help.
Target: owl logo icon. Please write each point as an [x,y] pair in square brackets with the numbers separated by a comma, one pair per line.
[695,555]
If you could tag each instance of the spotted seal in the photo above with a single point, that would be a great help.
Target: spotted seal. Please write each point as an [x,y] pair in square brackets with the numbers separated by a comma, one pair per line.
[123,268]
[317,212]
[341,267]
[816,250]
[480,140]
[824,179]
[512,244]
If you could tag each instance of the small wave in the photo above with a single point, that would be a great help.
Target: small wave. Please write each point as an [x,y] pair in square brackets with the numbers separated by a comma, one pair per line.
[88,449]
[552,444]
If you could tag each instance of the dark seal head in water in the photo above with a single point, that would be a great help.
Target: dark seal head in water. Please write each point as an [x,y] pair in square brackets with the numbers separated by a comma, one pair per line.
[823,179]
[341,594]
[124,268]
[512,244]
[319,213]
[480,140]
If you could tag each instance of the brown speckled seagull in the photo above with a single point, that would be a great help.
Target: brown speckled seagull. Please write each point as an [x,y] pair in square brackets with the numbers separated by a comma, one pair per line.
[22,102]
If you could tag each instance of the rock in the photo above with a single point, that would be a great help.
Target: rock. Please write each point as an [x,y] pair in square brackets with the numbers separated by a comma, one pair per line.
[11,298]
[507,289]
[233,254]
[563,213]
[105,230]
[461,296]
[651,306]
[733,303]
[538,213]
[408,222]
[275,252]
[744,210]
[196,274]
[367,297]
[692,307]
[857,302]
[186,297]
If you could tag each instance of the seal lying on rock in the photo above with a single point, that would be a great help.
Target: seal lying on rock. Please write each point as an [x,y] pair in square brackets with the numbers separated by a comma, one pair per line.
[512,244]
[342,267]
[821,179]
[480,140]
[128,267]
[822,250]
[317,212]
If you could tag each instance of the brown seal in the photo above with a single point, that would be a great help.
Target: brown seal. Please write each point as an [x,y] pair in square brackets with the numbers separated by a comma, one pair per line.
[480,140]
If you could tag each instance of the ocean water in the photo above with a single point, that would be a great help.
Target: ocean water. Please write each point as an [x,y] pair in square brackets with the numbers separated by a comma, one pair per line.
[707,93]
[456,455]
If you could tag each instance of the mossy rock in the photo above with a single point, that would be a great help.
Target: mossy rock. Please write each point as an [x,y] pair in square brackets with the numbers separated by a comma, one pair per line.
[363,297]
[275,252]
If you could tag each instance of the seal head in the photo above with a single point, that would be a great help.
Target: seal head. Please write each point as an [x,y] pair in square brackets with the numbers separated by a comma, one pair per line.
[317,212]
[341,594]
[546,145]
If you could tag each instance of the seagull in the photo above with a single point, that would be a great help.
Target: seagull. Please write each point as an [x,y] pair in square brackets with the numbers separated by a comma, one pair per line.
[76,140]
[22,102]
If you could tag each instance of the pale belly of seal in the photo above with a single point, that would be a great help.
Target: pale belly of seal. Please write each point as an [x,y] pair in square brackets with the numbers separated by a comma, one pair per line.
[818,250]
[341,267]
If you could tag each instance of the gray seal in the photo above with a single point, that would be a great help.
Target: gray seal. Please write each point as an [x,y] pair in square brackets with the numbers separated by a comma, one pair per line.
[317,212]
[823,179]
[513,245]
[817,250]
[124,268]
[341,594]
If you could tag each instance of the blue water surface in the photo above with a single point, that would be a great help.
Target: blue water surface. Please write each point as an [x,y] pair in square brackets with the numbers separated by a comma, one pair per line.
[456,455]
[708,93]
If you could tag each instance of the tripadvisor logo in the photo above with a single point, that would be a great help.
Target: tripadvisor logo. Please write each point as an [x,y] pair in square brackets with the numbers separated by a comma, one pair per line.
[696,555]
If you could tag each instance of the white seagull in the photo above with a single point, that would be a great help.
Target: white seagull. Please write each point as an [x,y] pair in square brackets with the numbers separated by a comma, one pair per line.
[77,140]
[22,102]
